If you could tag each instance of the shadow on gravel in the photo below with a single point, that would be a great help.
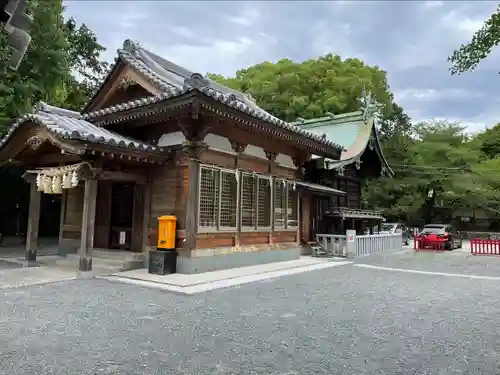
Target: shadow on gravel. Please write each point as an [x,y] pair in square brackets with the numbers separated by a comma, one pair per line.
[9,265]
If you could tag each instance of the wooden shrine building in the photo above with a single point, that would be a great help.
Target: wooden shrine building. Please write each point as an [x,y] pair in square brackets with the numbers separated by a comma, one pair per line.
[158,140]
[361,158]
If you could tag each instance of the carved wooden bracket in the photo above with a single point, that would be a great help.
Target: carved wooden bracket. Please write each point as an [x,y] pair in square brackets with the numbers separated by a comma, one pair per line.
[192,132]
[125,82]
[195,109]
[271,155]
[35,142]
[358,164]
[238,147]
[299,161]
[194,149]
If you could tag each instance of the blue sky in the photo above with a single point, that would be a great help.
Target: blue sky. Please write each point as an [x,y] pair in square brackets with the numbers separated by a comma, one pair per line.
[408,39]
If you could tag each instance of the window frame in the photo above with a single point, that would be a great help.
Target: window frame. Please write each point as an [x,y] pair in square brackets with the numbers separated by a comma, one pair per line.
[218,228]
[255,228]
[297,208]
[285,193]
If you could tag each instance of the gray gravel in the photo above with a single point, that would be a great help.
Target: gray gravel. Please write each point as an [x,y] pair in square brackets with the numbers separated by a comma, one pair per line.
[341,320]
[455,261]
[9,265]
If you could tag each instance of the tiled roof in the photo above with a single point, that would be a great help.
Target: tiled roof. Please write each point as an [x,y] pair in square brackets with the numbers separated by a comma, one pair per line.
[354,130]
[66,124]
[175,80]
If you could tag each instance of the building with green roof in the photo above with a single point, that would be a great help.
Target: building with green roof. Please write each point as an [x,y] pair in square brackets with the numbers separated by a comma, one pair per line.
[362,157]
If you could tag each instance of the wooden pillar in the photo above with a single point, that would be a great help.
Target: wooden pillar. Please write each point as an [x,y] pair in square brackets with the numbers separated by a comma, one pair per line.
[62,219]
[194,151]
[88,224]
[33,223]
[146,215]
[192,201]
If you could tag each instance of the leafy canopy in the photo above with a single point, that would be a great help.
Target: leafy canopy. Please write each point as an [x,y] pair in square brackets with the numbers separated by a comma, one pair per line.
[468,56]
[311,88]
[57,53]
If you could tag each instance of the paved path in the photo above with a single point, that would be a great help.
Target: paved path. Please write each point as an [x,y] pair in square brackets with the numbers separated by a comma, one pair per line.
[341,320]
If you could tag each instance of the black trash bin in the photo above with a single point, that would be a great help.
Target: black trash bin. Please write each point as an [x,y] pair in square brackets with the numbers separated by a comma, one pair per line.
[162,262]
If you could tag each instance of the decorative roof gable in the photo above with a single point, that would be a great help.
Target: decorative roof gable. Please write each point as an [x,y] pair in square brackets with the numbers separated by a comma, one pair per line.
[174,80]
[355,131]
[66,124]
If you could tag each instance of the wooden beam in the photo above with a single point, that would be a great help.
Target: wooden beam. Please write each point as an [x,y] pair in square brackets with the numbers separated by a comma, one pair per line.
[88,225]
[33,224]
[140,178]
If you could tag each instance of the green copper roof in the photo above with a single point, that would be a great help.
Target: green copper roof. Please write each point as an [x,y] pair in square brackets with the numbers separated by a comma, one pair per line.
[351,130]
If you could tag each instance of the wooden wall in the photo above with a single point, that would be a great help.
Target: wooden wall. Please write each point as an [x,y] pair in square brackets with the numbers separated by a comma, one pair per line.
[72,216]
[246,241]
[168,197]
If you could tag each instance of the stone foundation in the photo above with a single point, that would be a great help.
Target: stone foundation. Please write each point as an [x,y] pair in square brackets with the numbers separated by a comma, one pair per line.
[221,261]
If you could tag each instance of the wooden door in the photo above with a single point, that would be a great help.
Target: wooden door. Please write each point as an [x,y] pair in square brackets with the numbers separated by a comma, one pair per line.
[103,215]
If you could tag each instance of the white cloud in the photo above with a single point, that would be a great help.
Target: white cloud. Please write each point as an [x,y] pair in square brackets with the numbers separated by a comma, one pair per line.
[432,4]
[248,16]
[434,94]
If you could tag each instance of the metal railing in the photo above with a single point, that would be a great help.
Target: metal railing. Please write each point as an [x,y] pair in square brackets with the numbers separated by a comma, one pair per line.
[357,245]
[378,243]
[333,244]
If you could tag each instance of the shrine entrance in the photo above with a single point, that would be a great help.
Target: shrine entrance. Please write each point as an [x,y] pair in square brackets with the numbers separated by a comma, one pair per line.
[122,211]
[119,213]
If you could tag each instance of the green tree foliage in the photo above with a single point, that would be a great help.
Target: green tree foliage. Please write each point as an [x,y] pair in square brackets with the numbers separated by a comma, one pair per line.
[311,88]
[468,56]
[441,171]
[57,52]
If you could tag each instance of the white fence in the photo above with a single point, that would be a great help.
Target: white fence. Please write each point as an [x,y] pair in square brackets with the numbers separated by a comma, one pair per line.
[378,243]
[354,245]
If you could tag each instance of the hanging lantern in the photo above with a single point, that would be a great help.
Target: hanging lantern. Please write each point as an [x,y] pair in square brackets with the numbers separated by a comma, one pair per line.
[284,183]
[66,181]
[74,179]
[56,185]
[47,185]
[294,186]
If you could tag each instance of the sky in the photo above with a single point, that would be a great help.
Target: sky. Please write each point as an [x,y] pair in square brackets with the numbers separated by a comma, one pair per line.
[410,40]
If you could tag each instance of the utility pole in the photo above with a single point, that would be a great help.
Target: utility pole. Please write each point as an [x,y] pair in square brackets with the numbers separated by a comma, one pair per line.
[15,20]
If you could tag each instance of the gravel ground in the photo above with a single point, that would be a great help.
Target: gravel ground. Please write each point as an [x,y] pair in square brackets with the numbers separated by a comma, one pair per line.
[9,265]
[341,320]
[457,261]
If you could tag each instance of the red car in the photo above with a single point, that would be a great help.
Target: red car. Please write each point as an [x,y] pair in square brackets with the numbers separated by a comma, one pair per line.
[441,235]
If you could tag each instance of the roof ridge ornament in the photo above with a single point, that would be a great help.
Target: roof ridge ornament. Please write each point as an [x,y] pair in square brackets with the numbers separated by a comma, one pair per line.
[331,115]
[196,81]
[369,104]
[131,46]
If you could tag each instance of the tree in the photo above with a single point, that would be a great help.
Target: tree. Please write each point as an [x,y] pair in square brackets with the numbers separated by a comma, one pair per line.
[488,141]
[311,88]
[468,56]
[442,171]
[57,51]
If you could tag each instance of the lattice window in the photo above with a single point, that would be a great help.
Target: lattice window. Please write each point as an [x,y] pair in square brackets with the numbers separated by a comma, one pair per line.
[228,200]
[279,203]
[209,197]
[292,212]
[248,200]
[264,203]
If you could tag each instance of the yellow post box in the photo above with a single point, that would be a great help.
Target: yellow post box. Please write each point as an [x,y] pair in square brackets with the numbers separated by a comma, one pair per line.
[166,232]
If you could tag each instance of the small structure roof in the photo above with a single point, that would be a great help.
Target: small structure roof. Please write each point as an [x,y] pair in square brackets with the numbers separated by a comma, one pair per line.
[174,80]
[355,131]
[70,125]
